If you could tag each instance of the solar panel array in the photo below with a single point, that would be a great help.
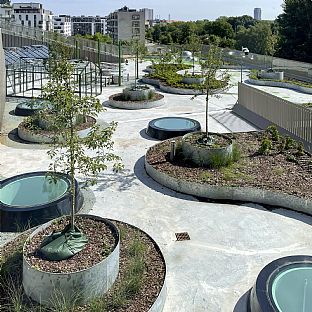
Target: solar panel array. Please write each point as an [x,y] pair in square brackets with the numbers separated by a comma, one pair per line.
[15,55]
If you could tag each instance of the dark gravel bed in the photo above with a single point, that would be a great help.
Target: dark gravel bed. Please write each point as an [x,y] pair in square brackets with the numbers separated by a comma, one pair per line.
[272,172]
[101,242]
[141,301]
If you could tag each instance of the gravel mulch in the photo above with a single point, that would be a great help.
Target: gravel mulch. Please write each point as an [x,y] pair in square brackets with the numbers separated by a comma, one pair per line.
[101,242]
[141,301]
[272,172]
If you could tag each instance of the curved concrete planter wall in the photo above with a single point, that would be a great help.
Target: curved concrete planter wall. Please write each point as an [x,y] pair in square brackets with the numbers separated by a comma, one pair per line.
[44,137]
[272,75]
[246,194]
[172,90]
[280,85]
[193,80]
[203,156]
[135,104]
[138,94]
[88,284]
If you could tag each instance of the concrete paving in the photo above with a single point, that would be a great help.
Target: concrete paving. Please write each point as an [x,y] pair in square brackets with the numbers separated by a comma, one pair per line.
[229,243]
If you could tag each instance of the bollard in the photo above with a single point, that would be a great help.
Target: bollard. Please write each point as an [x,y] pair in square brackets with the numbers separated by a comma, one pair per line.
[172,150]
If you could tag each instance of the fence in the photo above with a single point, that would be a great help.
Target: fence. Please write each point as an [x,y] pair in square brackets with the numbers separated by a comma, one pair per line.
[262,109]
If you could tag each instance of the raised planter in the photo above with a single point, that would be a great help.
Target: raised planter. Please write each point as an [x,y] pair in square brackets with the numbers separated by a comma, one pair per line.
[204,155]
[87,284]
[115,101]
[45,136]
[30,107]
[279,84]
[272,75]
[193,80]
[246,194]
[29,199]
[46,122]
[140,93]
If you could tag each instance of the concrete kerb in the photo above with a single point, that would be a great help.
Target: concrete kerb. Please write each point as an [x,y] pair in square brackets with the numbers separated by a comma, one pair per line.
[249,194]
[86,284]
[280,85]
[132,105]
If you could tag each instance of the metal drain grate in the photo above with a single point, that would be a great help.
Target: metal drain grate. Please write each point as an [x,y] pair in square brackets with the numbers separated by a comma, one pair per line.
[182,236]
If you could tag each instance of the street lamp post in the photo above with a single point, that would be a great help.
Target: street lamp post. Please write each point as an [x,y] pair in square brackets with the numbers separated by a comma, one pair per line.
[245,53]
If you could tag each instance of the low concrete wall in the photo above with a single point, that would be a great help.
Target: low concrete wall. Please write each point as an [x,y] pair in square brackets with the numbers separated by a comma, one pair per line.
[90,283]
[136,104]
[272,75]
[2,81]
[247,194]
[193,80]
[280,85]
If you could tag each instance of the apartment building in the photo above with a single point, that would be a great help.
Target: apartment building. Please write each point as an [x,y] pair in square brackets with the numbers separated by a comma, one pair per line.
[126,24]
[5,9]
[32,15]
[62,24]
[90,25]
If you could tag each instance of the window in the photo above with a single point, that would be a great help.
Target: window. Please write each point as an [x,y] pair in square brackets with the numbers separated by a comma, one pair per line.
[29,23]
[22,23]
[135,24]
[136,31]
[20,17]
[135,16]
[26,17]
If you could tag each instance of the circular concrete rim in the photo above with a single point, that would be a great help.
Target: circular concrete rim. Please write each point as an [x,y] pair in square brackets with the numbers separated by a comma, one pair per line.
[45,277]
[161,133]
[136,105]
[39,206]
[159,303]
[42,137]
[245,194]
[260,299]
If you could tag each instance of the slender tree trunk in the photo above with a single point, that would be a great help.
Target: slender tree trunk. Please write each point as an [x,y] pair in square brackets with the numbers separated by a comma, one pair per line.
[72,175]
[207,105]
[193,62]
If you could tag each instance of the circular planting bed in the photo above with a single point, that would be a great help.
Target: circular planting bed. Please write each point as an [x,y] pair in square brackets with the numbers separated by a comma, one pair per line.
[169,127]
[118,101]
[31,132]
[281,177]
[87,275]
[217,148]
[30,107]
[283,285]
[140,285]
[34,198]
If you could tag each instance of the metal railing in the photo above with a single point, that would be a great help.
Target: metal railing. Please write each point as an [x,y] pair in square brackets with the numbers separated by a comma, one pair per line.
[294,118]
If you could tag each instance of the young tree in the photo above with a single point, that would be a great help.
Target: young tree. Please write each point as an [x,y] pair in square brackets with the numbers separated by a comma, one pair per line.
[69,153]
[210,65]
[139,50]
[194,44]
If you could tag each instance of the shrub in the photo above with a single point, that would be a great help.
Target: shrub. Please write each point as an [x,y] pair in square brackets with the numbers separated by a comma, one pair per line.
[265,147]
[300,149]
[289,143]
[272,130]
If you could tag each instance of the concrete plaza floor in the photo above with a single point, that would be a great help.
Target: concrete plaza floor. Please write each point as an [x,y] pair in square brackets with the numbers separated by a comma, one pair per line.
[229,244]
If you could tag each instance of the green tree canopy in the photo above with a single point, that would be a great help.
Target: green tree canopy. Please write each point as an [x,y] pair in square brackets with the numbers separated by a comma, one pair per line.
[258,38]
[295,28]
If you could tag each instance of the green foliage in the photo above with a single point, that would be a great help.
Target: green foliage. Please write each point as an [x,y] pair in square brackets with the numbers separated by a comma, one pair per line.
[291,158]
[265,147]
[300,149]
[273,132]
[205,176]
[289,143]
[97,37]
[258,38]
[69,153]
[295,30]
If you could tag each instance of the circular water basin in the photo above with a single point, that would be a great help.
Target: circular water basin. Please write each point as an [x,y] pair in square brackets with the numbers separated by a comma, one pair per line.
[170,127]
[284,285]
[34,198]
[30,107]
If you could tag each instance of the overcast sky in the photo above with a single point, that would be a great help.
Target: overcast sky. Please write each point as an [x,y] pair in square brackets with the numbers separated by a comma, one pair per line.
[178,9]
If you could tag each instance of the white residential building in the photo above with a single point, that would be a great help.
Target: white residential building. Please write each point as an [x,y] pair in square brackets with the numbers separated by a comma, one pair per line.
[126,24]
[32,15]
[62,25]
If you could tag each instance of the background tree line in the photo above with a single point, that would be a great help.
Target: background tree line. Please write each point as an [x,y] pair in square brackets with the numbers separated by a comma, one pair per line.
[289,36]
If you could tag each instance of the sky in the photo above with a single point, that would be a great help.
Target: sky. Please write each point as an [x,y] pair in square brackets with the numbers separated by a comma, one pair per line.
[178,9]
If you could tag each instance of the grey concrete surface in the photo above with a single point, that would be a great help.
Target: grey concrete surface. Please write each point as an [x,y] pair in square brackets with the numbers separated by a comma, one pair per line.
[229,243]
[2,81]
